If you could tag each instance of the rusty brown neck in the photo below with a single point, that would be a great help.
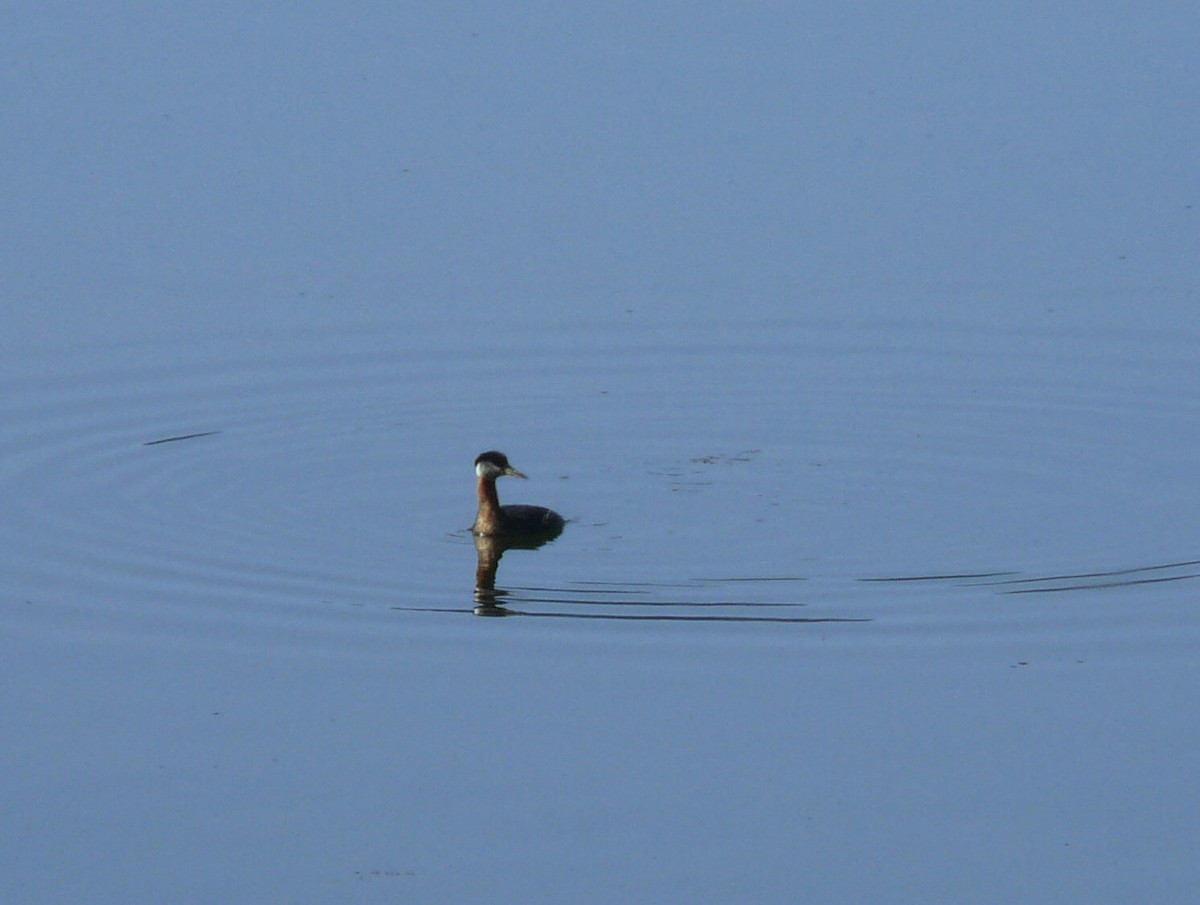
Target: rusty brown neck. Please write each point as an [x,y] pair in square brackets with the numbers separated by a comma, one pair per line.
[487,520]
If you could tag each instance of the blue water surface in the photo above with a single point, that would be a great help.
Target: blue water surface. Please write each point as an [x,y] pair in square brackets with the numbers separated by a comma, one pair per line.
[857,344]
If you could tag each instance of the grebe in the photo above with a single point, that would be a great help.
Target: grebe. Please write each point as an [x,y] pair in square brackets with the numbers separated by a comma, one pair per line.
[494,520]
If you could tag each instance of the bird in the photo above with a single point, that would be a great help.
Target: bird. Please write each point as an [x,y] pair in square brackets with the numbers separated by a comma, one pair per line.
[513,521]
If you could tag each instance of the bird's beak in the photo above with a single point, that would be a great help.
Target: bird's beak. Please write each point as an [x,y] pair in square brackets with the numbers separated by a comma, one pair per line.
[509,470]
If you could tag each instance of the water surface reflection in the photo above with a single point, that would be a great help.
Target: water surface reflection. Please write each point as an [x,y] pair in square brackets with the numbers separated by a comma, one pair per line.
[1012,582]
[631,601]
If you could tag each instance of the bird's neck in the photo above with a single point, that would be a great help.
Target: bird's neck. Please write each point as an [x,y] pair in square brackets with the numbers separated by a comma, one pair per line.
[488,517]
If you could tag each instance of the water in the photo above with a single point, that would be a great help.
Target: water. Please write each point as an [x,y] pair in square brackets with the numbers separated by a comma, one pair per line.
[705,464]
[865,376]
[829,590]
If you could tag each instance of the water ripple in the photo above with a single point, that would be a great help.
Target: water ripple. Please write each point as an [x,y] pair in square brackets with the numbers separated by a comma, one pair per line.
[293,478]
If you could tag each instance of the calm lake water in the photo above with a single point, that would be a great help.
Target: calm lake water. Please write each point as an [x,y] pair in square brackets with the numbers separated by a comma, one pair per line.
[842,609]
[858,345]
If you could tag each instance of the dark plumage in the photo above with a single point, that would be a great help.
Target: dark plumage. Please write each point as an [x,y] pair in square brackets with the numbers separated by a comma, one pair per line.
[494,520]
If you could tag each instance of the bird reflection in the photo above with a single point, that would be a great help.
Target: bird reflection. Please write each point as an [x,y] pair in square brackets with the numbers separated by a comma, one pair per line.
[620,600]
[489,550]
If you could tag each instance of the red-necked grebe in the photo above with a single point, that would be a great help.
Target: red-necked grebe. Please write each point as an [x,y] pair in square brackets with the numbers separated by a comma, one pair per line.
[494,520]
